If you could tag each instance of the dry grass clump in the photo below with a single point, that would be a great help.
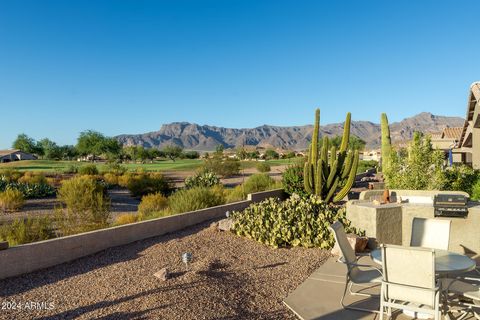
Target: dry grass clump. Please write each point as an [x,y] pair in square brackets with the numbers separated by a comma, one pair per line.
[11,200]
[152,203]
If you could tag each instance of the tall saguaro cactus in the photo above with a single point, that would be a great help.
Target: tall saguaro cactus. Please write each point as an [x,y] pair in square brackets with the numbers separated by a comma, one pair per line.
[386,141]
[323,175]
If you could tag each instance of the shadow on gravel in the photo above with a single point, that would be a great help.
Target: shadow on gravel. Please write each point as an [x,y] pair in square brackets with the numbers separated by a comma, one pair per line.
[36,279]
[74,313]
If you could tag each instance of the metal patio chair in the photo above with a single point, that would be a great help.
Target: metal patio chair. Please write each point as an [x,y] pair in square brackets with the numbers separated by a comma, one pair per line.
[355,275]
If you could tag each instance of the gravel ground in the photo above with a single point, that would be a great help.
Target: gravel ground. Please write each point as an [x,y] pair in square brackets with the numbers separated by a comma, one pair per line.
[230,278]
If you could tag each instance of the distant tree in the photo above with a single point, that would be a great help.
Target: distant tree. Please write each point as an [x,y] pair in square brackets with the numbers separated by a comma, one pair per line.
[49,149]
[271,154]
[25,144]
[172,152]
[67,152]
[290,154]
[254,154]
[190,154]
[94,143]
[219,149]
[354,143]
[242,154]
[153,153]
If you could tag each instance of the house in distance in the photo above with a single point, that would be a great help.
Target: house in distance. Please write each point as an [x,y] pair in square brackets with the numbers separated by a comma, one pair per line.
[15,155]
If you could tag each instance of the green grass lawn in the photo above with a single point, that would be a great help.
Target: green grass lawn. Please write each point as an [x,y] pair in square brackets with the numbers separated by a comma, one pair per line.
[158,165]
[52,166]
[279,162]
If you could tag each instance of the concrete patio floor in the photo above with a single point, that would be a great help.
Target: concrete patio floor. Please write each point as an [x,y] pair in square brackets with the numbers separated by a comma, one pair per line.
[319,296]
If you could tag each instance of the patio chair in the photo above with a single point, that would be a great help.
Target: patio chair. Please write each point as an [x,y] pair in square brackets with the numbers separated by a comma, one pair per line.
[430,233]
[355,275]
[462,297]
[409,281]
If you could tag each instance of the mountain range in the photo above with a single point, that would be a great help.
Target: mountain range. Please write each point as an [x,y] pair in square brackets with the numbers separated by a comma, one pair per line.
[205,138]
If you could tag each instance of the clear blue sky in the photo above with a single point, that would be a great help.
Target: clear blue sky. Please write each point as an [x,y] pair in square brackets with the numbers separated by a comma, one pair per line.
[130,66]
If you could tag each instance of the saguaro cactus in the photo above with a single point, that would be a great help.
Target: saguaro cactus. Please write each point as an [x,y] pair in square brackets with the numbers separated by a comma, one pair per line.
[323,175]
[386,141]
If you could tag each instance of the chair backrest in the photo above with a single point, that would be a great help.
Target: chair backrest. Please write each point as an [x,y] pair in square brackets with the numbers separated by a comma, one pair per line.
[348,253]
[409,274]
[430,233]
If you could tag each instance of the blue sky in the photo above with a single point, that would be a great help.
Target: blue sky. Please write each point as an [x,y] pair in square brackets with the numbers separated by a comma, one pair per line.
[130,66]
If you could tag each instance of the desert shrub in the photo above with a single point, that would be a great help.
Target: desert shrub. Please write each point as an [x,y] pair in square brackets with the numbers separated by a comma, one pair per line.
[196,198]
[258,182]
[22,231]
[125,179]
[88,169]
[10,175]
[475,195]
[144,184]
[295,222]
[28,190]
[11,200]
[235,194]
[70,169]
[126,218]
[86,205]
[152,203]
[202,179]
[460,178]
[158,214]
[110,178]
[263,167]
[255,183]
[420,169]
[292,179]
[115,169]
[222,167]
[33,178]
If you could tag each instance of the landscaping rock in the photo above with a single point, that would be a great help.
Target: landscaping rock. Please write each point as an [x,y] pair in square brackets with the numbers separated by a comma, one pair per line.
[3,245]
[162,274]
[225,224]
[356,242]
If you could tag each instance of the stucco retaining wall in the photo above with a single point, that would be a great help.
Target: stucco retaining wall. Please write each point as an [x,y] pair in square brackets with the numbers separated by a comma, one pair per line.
[26,258]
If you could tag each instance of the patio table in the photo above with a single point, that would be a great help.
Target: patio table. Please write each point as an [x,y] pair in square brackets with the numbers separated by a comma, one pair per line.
[445,261]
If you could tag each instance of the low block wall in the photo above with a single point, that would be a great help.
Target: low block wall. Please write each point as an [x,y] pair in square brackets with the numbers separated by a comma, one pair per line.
[38,255]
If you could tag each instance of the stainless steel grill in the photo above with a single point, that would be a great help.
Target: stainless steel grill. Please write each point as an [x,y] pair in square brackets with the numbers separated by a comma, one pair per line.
[450,205]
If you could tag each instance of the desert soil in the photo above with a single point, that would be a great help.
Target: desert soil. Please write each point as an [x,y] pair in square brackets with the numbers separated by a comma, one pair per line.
[230,278]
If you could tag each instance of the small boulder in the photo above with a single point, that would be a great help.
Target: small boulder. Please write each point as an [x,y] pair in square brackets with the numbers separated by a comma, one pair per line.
[163,274]
[225,224]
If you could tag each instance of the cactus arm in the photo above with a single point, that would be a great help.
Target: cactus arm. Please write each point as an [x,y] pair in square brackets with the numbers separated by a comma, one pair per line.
[348,164]
[332,189]
[351,179]
[346,133]
[333,155]
[319,178]
[386,141]
[332,175]
[314,145]
[306,177]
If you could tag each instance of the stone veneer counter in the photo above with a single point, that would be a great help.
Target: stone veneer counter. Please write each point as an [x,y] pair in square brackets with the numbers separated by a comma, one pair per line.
[392,223]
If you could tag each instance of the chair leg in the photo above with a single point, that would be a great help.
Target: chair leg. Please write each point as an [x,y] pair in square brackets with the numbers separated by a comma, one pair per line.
[382,302]
[348,285]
